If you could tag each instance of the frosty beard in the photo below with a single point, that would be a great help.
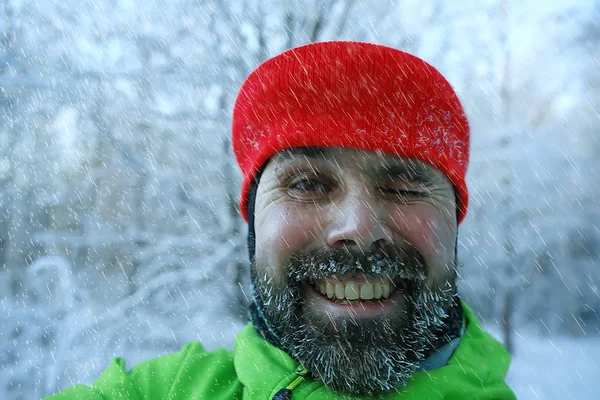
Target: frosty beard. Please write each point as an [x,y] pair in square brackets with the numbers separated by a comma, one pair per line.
[363,356]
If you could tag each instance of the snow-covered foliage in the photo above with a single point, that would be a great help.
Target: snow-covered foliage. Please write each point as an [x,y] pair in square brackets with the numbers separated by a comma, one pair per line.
[118,229]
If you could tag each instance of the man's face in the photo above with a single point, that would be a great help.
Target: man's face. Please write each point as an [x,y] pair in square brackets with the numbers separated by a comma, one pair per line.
[355,262]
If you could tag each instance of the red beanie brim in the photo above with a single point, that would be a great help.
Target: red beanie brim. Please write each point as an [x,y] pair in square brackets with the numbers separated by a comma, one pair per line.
[350,94]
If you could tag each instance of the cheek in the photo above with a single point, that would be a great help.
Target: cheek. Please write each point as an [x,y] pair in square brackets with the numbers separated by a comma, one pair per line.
[426,228]
[281,231]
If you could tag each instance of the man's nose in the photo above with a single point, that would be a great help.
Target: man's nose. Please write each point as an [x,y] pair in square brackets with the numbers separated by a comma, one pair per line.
[358,222]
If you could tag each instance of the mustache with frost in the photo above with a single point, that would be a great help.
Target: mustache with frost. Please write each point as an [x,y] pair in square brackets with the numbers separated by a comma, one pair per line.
[389,262]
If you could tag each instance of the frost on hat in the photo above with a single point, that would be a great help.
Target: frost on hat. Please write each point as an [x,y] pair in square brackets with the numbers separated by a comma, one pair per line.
[350,94]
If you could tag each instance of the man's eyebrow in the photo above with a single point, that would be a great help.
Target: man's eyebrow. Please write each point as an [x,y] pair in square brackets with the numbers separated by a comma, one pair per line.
[411,173]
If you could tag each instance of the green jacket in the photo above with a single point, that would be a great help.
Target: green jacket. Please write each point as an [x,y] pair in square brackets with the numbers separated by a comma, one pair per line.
[258,370]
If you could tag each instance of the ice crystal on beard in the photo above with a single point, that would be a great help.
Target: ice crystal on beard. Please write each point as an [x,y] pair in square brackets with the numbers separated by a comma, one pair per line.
[319,264]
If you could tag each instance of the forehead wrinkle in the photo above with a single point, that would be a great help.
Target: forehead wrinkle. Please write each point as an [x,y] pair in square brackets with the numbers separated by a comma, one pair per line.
[408,171]
[314,157]
[287,156]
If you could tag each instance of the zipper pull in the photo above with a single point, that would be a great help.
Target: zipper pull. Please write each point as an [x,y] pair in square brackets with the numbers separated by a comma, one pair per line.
[286,393]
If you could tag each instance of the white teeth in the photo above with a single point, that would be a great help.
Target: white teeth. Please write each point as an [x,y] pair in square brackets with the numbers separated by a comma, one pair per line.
[385,289]
[366,291]
[354,290]
[339,290]
[329,290]
[377,291]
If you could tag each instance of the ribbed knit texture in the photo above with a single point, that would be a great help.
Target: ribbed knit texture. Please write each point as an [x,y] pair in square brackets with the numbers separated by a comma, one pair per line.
[350,94]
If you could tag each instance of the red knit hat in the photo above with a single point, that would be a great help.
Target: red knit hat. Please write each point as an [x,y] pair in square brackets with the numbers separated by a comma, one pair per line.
[350,94]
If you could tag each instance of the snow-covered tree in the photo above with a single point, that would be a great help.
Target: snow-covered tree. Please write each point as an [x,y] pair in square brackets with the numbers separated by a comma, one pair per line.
[119,228]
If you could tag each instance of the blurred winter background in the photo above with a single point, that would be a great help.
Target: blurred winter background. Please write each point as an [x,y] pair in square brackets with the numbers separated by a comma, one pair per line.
[119,234]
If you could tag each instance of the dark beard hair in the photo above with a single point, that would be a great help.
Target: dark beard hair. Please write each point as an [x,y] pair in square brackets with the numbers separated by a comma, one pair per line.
[364,356]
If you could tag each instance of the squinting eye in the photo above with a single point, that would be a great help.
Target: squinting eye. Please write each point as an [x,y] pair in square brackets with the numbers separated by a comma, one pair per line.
[308,186]
[401,192]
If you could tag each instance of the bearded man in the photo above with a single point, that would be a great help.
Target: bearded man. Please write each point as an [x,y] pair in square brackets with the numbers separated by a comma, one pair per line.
[353,158]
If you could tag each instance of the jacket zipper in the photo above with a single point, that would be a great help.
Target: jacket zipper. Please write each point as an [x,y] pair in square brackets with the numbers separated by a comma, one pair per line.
[286,392]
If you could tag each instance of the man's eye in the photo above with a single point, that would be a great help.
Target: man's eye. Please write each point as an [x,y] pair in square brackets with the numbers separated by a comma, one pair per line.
[308,186]
[403,193]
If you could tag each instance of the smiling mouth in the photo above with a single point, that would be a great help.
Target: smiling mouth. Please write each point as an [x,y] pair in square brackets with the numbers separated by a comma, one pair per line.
[359,289]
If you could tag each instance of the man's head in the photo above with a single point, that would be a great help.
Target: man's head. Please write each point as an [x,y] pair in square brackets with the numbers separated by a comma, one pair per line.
[362,152]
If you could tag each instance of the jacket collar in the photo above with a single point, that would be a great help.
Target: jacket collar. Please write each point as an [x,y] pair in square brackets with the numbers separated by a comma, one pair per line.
[476,359]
